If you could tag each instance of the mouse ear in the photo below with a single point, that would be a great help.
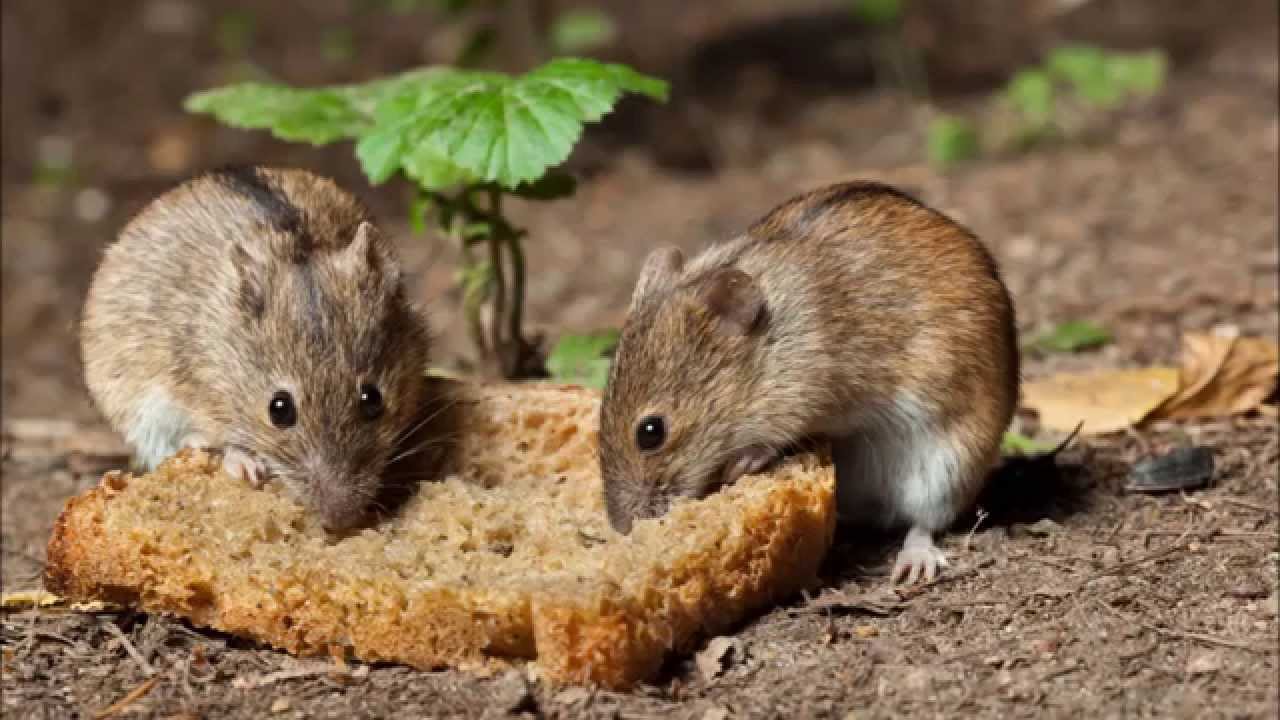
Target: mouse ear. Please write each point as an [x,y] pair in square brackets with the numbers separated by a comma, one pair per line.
[659,273]
[733,297]
[368,254]
[251,289]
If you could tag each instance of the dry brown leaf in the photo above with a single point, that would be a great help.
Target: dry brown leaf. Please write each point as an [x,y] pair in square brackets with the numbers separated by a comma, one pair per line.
[1222,374]
[1104,401]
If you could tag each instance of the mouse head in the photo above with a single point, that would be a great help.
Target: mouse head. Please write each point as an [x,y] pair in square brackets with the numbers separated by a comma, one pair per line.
[685,369]
[331,358]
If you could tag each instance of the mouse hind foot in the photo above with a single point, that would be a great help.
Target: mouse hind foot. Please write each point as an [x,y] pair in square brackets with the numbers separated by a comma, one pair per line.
[906,470]
[919,559]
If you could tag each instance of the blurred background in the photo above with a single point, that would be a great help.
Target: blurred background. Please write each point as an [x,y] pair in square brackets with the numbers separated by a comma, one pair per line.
[1154,213]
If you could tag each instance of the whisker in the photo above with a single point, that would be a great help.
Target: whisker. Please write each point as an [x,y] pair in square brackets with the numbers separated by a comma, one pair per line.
[452,402]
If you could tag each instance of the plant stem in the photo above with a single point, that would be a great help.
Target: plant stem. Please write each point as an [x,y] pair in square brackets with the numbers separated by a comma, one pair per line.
[471,302]
[512,239]
[499,343]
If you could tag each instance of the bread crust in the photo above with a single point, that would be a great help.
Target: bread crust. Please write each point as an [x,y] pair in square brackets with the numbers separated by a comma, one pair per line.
[604,609]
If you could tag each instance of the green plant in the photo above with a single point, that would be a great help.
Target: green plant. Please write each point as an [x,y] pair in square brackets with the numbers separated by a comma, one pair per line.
[1014,443]
[583,359]
[952,140]
[1071,336]
[1082,75]
[467,140]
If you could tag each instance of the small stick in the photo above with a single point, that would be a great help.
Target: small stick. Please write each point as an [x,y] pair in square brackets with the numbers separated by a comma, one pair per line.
[249,683]
[147,668]
[1247,504]
[124,702]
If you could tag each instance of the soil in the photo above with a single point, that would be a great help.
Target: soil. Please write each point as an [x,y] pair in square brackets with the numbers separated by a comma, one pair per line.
[1159,218]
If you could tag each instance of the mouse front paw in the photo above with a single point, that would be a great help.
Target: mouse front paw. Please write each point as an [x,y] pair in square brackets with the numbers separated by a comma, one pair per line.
[243,466]
[919,559]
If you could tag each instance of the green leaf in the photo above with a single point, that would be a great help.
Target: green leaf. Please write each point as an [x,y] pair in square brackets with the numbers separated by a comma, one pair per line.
[583,359]
[313,116]
[555,184]
[1085,70]
[442,126]
[1031,93]
[582,30]
[1019,444]
[952,140]
[492,127]
[878,13]
[1072,336]
[1076,63]
[1139,73]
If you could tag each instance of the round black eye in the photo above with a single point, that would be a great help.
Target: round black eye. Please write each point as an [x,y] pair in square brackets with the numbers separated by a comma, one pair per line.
[651,433]
[370,402]
[282,410]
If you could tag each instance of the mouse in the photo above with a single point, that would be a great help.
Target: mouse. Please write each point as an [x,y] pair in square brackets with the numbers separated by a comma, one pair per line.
[853,313]
[260,313]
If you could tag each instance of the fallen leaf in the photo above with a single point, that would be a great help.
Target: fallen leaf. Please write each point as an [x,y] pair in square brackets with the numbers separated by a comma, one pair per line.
[1222,374]
[716,657]
[1104,401]
[866,631]
[716,713]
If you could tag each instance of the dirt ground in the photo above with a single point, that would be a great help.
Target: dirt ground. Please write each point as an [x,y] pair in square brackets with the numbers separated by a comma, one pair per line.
[1161,220]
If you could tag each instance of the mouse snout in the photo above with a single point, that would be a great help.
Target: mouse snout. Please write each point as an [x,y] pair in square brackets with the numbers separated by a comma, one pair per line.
[340,499]
[623,507]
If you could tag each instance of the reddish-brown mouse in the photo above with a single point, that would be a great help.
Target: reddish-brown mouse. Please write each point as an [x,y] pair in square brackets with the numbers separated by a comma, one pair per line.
[853,312]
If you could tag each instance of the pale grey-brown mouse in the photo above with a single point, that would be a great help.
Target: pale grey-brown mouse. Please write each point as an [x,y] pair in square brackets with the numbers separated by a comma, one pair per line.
[852,312]
[259,311]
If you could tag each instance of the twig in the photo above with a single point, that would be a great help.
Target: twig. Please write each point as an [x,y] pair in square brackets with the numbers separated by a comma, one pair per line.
[251,682]
[1251,506]
[1059,672]
[124,702]
[968,539]
[128,646]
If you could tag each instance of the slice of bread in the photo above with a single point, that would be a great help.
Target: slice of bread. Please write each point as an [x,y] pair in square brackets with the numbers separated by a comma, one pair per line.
[508,558]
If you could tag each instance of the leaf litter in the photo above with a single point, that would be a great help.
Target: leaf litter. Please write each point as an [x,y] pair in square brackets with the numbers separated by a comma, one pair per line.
[1221,373]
